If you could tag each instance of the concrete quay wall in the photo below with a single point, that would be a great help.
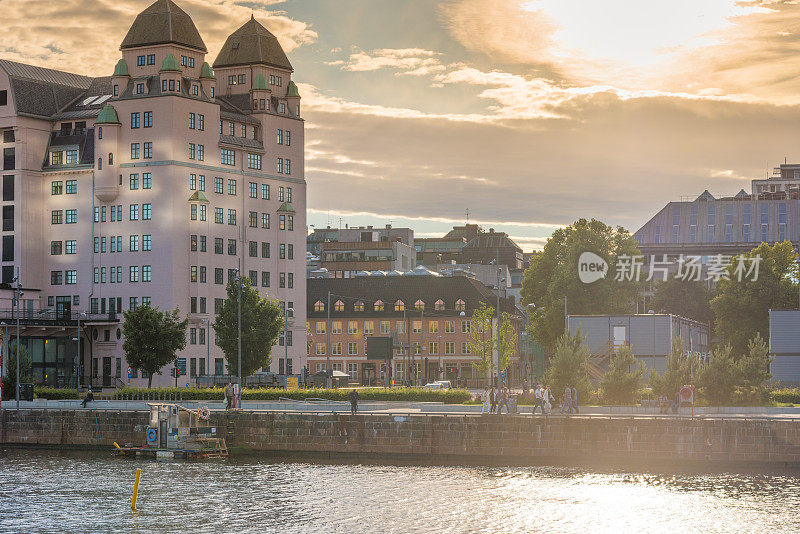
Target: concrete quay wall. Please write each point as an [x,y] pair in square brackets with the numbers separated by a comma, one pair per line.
[468,438]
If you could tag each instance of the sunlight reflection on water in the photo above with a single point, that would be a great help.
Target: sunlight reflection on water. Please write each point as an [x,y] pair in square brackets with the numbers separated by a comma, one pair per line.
[45,491]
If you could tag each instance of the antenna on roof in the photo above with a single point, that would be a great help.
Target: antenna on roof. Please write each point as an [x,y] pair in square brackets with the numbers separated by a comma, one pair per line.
[467,222]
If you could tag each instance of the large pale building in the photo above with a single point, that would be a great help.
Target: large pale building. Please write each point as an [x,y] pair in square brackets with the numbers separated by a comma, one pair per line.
[152,186]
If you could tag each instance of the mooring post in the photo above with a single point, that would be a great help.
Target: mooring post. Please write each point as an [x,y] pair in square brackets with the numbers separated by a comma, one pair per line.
[135,489]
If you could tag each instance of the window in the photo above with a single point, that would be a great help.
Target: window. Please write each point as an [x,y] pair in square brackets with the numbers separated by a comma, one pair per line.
[320,349]
[140,61]
[71,277]
[55,248]
[134,243]
[134,273]
[134,183]
[253,188]
[218,185]
[288,168]
[386,327]
[287,139]
[265,220]
[352,350]
[57,188]
[218,276]
[201,152]
[147,211]
[147,271]
[399,305]
[192,182]
[191,150]
[253,249]
[56,217]
[264,250]
[135,119]
[202,212]
[72,216]
[228,157]
[148,119]
[264,278]
[231,129]
[282,222]
[193,274]
[265,191]
[115,91]
[219,245]
[134,150]
[231,186]
[282,251]
[232,217]
[449,348]
[253,219]
[134,212]
[56,158]
[139,89]
[191,121]
[254,161]
[148,152]
[433,327]
[282,280]
[218,216]
[378,307]
[201,183]
[289,195]
[147,243]
[280,165]
[449,327]
[151,59]
[201,122]
[231,247]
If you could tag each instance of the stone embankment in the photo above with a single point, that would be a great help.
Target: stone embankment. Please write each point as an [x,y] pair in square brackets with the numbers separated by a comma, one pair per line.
[447,438]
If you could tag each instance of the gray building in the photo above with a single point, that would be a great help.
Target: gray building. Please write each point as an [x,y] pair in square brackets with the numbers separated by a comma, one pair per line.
[728,225]
[648,335]
[784,345]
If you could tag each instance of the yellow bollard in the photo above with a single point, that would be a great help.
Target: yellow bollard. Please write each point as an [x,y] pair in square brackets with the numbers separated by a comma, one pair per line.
[135,489]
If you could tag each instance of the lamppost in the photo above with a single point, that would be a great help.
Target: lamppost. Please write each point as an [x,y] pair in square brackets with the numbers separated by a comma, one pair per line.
[497,327]
[208,344]
[239,327]
[80,355]
[18,294]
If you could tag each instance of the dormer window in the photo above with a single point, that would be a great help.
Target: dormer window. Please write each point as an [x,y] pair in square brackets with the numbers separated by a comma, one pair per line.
[151,59]
[163,86]
[338,306]
[283,107]
[116,90]
[172,85]
[419,305]
[183,61]
[191,62]
[460,305]
[195,90]
[399,305]
[359,306]
[139,88]
[140,61]
[439,305]
[378,306]
[319,306]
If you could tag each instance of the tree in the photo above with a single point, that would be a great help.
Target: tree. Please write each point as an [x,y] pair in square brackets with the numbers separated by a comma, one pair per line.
[262,322]
[741,308]
[25,370]
[621,384]
[553,274]
[678,372]
[152,338]
[687,298]
[505,342]
[718,378]
[754,365]
[480,341]
[568,366]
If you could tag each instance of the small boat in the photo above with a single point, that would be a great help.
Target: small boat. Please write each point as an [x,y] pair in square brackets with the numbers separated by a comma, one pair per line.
[177,432]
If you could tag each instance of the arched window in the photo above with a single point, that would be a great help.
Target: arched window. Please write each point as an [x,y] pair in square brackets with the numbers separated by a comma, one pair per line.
[319,306]
[338,306]
[378,305]
[359,306]
[110,158]
[99,164]
[460,305]
[419,305]
[399,306]
[439,305]
[99,132]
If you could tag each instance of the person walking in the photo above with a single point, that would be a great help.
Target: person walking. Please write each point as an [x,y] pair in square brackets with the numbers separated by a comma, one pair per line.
[493,400]
[353,401]
[538,399]
[574,399]
[548,399]
[525,386]
[485,399]
[228,392]
[88,398]
[566,400]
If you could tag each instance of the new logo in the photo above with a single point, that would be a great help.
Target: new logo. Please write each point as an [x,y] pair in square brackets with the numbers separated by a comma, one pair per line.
[591,267]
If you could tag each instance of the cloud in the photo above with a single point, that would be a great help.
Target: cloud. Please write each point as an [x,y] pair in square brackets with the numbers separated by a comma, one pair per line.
[63,35]
[407,61]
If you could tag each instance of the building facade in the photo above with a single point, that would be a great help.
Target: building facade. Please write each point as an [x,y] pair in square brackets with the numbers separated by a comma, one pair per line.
[728,225]
[784,346]
[344,252]
[156,185]
[427,317]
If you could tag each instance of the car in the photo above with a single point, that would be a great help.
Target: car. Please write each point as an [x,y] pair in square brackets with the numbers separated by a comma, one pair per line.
[446,384]
[433,385]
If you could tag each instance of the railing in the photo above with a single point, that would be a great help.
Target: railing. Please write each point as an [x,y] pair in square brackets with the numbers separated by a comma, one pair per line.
[53,315]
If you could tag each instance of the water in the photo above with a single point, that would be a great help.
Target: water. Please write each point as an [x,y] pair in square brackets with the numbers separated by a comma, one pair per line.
[48,491]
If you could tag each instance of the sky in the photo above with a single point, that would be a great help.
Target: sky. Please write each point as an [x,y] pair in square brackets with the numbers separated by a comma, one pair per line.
[519,115]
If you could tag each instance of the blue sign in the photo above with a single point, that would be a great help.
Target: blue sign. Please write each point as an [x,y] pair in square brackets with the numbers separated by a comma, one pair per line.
[180,364]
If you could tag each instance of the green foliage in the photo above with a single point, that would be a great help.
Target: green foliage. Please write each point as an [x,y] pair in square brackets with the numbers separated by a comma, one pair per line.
[506,342]
[622,382]
[453,396]
[753,367]
[262,322]
[568,366]
[152,338]
[785,395]
[691,299]
[553,273]
[717,380]
[741,308]
[26,370]
[479,339]
[678,373]
[51,393]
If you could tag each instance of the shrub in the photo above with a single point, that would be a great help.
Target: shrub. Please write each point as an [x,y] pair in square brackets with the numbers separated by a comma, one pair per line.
[51,393]
[787,395]
[621,384]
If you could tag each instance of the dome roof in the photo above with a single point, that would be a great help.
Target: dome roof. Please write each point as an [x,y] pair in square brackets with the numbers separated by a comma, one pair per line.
[108,115]
[121,69]
[252,44]
[170,64]
[292,90]
[259,82]
[207,72]
[163,22]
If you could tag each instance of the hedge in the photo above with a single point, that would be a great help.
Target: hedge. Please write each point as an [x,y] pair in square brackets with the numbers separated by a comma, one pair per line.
[788,395]
[51,393]
[453,396]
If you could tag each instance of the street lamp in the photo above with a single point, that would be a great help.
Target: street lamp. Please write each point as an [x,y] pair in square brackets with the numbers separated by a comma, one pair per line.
[208,344]
[80,356]
[287,314]
[18,294]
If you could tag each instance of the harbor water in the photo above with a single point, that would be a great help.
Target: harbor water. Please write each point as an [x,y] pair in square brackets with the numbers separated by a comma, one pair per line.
[55,491]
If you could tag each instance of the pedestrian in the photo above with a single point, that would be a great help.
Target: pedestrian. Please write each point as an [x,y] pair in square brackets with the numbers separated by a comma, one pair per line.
[548,400]
[538,399]
[504,402]
[228,392]
[353,401]
[485,399]
[88,398]
[566,400]
[525,387]
[493,400]
[575,399]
